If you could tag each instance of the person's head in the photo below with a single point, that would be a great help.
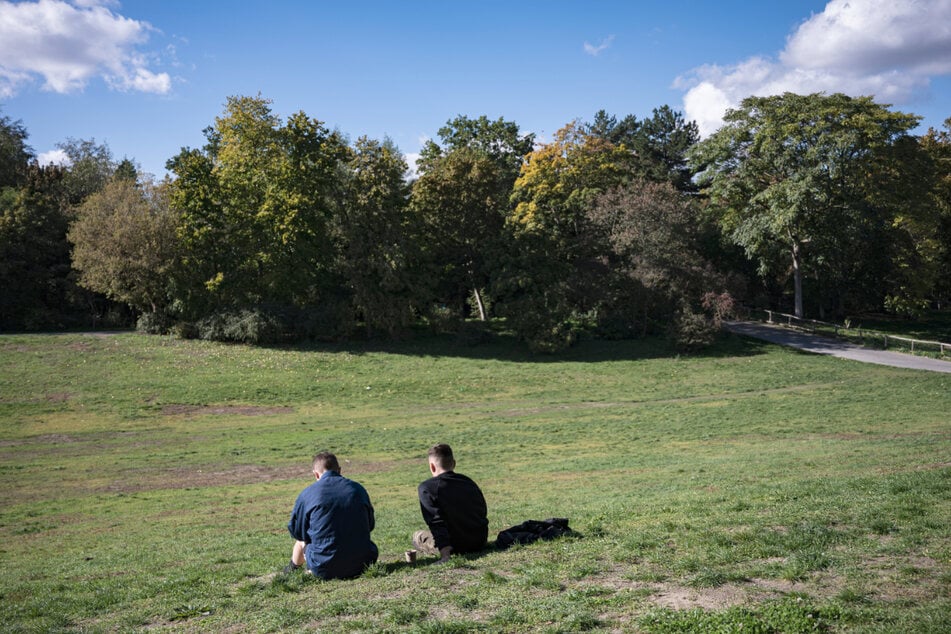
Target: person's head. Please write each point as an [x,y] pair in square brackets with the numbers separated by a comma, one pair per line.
[440,459]
[325,461]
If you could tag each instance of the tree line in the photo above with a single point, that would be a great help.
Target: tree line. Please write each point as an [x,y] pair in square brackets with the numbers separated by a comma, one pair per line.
[283,229]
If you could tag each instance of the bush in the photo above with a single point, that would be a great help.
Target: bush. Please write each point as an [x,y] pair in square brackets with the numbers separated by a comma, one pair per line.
[691,331]
[241,326]
[157,323]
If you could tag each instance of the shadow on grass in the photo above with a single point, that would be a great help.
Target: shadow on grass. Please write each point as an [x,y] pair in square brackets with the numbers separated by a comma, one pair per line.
[506,347]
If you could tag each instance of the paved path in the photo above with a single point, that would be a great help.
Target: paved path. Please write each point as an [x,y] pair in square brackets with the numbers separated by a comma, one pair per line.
[825,345]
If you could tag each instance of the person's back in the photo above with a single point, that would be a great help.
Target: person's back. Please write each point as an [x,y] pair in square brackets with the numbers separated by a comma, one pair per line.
[333,518]
[453,508]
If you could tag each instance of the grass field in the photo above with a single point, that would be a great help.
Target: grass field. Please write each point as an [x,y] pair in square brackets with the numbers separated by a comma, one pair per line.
[146,482]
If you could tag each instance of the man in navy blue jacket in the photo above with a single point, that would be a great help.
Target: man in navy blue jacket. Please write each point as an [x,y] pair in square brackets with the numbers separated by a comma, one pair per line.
[453,508]
[331,521]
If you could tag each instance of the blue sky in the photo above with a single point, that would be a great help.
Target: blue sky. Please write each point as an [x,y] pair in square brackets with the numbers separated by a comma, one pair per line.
[147,76]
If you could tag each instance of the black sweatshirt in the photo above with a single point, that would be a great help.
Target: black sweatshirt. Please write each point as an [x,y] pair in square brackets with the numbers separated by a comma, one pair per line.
[454,509]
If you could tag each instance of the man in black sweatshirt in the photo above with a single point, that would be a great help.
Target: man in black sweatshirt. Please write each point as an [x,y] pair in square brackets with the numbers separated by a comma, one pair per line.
[453,507]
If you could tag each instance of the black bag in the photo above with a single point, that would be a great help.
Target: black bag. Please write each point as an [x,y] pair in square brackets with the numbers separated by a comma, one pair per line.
[533,530]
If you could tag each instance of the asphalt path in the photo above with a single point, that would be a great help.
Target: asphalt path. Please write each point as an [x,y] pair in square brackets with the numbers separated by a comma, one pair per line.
[825,345]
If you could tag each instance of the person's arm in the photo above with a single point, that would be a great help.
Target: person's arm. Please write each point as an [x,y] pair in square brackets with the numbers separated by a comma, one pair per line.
[433,517]
[297,526]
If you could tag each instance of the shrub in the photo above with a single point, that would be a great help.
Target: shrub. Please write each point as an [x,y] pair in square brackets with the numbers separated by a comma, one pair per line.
[157,323]
[241,326]
[691,331]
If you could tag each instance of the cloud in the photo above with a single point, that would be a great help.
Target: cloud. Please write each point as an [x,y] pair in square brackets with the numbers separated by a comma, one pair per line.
[411,159]
[69,43]
[882,48]
[594,51]
[53,157]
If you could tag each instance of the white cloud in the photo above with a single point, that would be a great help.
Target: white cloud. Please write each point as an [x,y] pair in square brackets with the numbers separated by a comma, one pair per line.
[411,159]
[882,48]
[594,51]
[69,43]
[53,157]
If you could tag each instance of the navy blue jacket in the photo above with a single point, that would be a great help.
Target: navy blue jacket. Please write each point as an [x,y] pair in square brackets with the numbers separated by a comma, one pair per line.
[334,517]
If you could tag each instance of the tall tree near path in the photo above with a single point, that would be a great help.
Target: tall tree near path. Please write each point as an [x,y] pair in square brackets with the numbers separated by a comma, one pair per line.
[813,176]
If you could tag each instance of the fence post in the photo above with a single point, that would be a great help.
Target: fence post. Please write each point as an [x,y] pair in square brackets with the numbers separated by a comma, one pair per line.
[885,337]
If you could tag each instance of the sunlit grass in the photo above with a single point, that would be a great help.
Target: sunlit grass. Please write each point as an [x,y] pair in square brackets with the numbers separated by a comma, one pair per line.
[146,483]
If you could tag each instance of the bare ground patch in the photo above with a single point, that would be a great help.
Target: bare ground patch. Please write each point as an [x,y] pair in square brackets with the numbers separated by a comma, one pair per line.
[217,410]
[226,475]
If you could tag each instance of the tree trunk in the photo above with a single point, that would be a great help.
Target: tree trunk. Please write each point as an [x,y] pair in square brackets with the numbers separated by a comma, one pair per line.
[797,279]
[478,298]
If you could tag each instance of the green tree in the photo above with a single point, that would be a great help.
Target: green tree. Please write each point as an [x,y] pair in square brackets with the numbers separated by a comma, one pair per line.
[15,154]
[813,177]
[659,144]
[937,143]
[38,291]
[377,249]
[89,167]
[553,272]
[256,207]
[461,200]
[499,140]
[462,197]
[125,245]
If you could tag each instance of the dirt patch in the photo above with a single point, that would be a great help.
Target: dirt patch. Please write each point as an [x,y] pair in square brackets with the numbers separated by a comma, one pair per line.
[229,410]
[58,397]
[142,480]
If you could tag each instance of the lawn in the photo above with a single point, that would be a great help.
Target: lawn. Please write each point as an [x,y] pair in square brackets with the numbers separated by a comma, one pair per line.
[146,482]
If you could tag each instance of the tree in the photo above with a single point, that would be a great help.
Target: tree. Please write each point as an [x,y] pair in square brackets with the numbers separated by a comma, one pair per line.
[937,143]
[377,255]
[34,255]
[462,196]
[15,154]
[461,200]
[553,270]
[125,245]
[89,167]
[256,207]
[499,140]
[657,276]
[659,144]
[810,176]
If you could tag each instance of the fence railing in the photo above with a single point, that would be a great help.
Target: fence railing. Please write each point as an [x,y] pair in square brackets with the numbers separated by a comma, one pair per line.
[839,330]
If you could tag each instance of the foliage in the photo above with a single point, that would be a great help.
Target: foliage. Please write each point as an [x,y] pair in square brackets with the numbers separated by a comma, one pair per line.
[378,254]
[90,166]
[256,206]
[551,276]
[35,273]
[462,199]
[937,143]
[650,239]
[15,154]
[241,326]
[659,144]
[500,141]
[124,244]
[814,184]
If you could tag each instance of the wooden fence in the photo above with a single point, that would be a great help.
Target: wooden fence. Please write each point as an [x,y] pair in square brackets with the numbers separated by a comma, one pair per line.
[838,330]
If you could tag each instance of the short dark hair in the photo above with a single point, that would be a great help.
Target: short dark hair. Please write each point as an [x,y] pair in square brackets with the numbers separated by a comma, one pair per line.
[326,461]
[441,454]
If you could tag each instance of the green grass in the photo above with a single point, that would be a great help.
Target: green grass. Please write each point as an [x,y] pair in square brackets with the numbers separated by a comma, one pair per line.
[145,483]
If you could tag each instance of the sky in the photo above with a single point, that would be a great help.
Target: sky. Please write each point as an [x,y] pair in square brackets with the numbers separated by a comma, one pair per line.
[145,77]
